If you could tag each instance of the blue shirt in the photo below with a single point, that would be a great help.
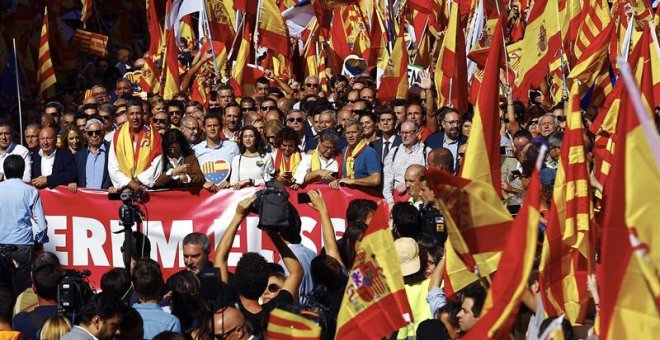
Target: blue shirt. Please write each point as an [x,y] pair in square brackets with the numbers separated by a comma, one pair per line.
[216,162]
[305,257]
[94,169]
[19,202]
[156,320]
[366,163]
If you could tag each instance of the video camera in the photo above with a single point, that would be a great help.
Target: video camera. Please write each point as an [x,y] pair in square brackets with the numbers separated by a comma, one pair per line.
[272,206]
[73,292]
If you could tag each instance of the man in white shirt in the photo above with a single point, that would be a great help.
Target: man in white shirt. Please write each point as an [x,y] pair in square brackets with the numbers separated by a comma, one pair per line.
[136,153]
[323,164]
[8,147]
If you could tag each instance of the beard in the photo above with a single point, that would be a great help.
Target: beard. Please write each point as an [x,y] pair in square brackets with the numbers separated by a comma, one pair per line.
[453,133]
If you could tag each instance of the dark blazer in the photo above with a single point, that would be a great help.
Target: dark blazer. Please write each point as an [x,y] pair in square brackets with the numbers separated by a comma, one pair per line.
[378,146]
[64,168]
[310,143]
[437,139]
[81,165]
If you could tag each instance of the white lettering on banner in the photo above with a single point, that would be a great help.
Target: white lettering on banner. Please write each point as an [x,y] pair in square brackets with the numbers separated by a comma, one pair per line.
[89,235]
[167,249]
[57,240]
[308,225]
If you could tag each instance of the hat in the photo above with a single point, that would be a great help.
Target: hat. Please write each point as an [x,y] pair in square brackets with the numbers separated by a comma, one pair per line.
[408,252]
[432,329]
[547,177]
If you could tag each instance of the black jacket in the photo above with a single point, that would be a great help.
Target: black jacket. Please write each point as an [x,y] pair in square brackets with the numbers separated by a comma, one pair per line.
[64,168]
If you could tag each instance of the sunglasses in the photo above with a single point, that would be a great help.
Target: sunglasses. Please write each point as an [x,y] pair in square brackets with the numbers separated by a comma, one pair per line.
[561,118]
[273,288]
[316,86]
[160,121]
[267,108]
[295,120]
[247,109]
[94,133]
[534,122]
[178,113]
[105,117]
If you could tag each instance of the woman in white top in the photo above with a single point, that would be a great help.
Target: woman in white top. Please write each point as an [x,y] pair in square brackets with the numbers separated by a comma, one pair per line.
[250,168]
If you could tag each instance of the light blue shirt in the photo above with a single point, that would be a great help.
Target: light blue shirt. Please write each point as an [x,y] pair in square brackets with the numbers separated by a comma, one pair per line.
[19,202]
[305,257]
[156,320]
[94,169]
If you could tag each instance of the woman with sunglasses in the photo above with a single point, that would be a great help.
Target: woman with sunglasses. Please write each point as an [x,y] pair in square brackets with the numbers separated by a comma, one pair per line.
[286,156]
[180,166]
[275,282]
[250,168]
[72,139]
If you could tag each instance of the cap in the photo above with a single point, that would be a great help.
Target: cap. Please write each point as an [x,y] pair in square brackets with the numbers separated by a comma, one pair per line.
[408,252]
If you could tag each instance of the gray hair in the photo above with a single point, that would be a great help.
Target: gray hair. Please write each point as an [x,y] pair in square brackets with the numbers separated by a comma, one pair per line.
[350,122]
[107,107]
[329,135]
[198,239]
[92,122]
[332,113]
[555,139]
[554,119]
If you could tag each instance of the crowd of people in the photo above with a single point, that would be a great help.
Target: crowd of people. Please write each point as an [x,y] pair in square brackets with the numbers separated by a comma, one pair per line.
[335,133]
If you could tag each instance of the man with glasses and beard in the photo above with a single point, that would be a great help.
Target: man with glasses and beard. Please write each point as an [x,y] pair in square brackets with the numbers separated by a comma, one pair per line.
[92,162]
[450,136]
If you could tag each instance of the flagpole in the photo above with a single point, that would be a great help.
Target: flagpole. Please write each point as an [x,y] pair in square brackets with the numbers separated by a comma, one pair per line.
[506,54]
[210,38]
[18,91]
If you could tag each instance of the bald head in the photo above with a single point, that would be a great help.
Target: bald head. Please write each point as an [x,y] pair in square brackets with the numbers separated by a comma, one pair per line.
[413,179]
[229,323]
[441,158]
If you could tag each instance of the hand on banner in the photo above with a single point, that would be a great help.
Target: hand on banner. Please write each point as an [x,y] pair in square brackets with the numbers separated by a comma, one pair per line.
[73,187]
[208,185]
[39,182]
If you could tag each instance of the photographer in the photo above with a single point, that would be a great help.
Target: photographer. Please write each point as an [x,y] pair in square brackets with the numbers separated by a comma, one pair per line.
[252,271]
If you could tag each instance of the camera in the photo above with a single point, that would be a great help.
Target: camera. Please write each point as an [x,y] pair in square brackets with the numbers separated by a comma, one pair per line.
[272,206]
[433,223]
[73,292]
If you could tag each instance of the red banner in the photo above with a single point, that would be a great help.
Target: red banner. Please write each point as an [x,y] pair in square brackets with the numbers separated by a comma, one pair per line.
[81,225]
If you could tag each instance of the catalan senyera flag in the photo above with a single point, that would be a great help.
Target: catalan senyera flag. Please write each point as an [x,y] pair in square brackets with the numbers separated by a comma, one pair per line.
[239,69]
[531,55]
[629,300]
[569,222]
[171,81]
[482,155]
[45,72]
[90,42]
[475,219]
[86,12]
[450,74]
[375,302]
[647,70]
[272,28]
[284,325]
[505,293]
[394,83]
[570,16]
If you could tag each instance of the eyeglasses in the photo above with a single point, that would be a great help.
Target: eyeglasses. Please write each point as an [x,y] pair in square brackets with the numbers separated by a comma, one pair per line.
[273,288]
[295,120]
[105,117]
[160,121]
[534,122]
[452,122]
[268,108]
[91,133]
[247,109]
[227,333]
[192,129]
[316,86]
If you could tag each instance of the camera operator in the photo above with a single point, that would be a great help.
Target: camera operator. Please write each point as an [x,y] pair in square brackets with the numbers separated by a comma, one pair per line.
[252,272]
[19,203]
[100,319]
[46,276]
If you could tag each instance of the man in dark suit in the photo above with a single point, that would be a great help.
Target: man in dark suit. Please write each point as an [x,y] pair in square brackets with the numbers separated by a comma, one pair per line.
[389,139]
[52,167]
[92,162]
[450,137]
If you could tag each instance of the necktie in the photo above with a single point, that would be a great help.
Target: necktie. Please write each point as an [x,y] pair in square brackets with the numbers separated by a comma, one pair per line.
[386,149]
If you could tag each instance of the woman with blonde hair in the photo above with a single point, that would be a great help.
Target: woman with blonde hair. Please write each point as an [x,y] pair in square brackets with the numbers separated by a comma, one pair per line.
[55,327]
[72,139]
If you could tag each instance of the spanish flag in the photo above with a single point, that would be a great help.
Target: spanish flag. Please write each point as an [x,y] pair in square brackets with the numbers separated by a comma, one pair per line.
[450,74]
[506,290]
[629,297]
[155,31]
[171,81]
[394,83]
[240,69]
[45,72]
[375,302]
[482,155]
[150,75]
[284,325]
[272,28]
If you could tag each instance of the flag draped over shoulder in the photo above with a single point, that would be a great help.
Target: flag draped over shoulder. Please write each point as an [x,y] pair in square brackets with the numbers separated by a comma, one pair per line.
[133,161]
[284,325]
[482,155]
[505,293]
[629,287]
[45,71]
[450,74]
[375,302]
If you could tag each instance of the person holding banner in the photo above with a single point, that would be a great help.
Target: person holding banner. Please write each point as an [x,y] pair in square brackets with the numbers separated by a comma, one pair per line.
[136,153]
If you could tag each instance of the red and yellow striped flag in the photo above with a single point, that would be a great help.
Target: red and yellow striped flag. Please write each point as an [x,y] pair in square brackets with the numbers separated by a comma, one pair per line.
[629,293]
[394,83]
[272,28]
[482,155]
[186,29]
[86,11]
[239,69]
[149,79]
[284,325]
[155,32]
[171,81]
[450,74]
[505,293]
[45,72]
[592,46]
[375,302]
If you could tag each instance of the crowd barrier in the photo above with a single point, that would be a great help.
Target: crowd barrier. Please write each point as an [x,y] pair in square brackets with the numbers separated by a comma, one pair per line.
[81,225]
